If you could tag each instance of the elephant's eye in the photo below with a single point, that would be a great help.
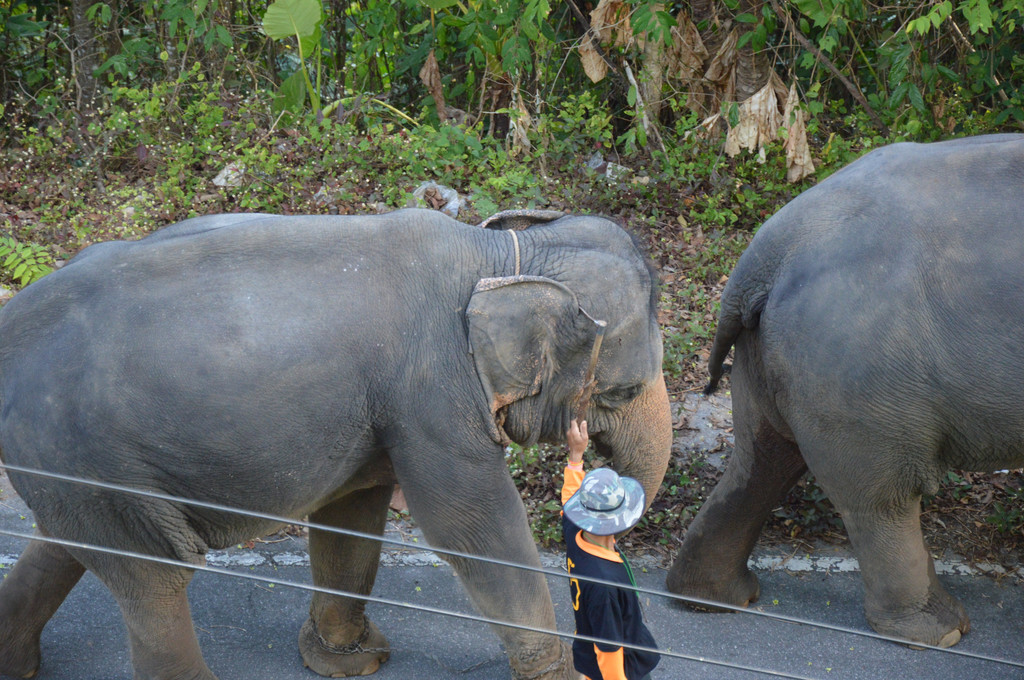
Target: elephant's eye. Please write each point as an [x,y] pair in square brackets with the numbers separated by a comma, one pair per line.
[618,396]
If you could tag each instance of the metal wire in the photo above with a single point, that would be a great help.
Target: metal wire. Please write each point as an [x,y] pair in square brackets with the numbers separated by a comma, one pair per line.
[454,553]
[392,603]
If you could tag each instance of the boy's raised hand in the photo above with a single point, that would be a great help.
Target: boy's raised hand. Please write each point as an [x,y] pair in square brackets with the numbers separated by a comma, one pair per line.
[577,440]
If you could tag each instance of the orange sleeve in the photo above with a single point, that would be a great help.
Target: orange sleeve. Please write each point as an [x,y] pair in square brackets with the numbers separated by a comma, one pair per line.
[612,664]
[573,479]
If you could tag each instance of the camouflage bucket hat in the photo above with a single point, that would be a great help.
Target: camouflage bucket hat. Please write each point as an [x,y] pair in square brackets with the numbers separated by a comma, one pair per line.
[606,503]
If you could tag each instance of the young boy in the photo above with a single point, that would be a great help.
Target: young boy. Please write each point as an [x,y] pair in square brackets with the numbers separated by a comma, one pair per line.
[595,507]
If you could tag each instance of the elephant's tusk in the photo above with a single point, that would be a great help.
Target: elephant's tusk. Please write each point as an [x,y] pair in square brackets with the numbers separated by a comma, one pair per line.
[583,400]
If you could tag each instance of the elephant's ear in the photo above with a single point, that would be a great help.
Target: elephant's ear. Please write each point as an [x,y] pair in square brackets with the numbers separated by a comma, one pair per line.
[513,323]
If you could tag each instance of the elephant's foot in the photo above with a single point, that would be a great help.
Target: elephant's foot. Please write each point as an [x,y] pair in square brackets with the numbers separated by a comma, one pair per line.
[19,663]
[556,664]
[19,653]
[940,622]
[738,590]
[362,656]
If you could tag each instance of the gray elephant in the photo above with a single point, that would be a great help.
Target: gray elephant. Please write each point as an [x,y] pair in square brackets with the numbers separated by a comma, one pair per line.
[301,366]
[877,325]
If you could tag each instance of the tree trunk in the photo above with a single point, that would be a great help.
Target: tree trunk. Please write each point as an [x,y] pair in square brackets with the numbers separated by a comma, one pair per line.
[84,55]
[652,77]
[752,68]
[734,74]
[340,44]
[111,38]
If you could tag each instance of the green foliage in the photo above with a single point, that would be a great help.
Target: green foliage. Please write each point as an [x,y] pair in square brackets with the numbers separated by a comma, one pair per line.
[299,19]
[23,263]
[926,71]
[501,36]
[915,63]
[184,27]
[189,20]
[21,32]
[682,347]
[579,125]
[534,472]
[1002,499]
[1008,517]
[546,523]
[933,19]
[652,19]
[957,487]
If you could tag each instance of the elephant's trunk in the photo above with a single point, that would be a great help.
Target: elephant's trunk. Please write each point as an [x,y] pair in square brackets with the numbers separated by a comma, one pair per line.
[640,443]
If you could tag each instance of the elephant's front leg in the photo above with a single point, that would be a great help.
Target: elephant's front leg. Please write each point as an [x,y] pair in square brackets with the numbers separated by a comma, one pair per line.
[338,640]
[475,508]
[154,603]
[902,595]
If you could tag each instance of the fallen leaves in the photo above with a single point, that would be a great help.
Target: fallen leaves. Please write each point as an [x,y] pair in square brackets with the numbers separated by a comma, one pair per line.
[687,55]
[610,21]
[594,64]
[722,70]
[772,111]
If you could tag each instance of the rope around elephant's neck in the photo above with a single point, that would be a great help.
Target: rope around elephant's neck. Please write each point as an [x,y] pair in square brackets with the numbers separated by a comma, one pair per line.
[515,243]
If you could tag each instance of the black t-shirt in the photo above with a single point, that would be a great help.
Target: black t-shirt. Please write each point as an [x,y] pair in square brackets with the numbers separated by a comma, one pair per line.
[604,611]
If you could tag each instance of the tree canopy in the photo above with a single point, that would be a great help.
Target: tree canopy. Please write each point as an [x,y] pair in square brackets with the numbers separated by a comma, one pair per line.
[916,69]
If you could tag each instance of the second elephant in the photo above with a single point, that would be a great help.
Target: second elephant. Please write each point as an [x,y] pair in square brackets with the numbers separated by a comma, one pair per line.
[877,325]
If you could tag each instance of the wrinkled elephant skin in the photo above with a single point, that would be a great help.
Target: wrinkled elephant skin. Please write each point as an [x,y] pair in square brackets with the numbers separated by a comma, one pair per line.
[876,321]
[299,366]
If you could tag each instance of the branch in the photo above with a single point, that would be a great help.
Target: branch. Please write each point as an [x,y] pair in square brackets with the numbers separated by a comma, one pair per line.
[596,41]
[642,108]
[820,56]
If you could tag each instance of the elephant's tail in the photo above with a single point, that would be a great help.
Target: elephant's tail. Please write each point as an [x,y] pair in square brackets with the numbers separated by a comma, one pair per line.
[743,300]
[728,330]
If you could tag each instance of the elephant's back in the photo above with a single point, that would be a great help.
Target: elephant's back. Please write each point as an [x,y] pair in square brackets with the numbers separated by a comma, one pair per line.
[906,196]
[224,338]
[893,227]
[256,268]
[903,276]
[911,238]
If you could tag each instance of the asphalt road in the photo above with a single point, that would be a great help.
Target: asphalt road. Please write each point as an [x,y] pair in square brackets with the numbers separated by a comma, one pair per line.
[248,629]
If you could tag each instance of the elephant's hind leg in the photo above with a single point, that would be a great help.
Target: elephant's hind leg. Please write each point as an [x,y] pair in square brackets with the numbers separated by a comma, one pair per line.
[712,562]
[338,640]
[33,590]
[902,595]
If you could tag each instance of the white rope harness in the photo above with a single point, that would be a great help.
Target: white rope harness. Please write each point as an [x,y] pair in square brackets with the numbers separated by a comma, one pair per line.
[515,242]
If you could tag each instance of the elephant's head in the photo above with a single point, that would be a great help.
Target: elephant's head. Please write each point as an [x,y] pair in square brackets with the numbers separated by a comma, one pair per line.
[533,338]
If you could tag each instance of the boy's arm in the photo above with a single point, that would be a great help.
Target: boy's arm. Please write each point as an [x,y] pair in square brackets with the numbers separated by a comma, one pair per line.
[612,664]
[577,439]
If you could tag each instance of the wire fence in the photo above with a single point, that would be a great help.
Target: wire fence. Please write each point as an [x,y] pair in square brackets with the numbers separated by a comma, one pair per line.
[692,601]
